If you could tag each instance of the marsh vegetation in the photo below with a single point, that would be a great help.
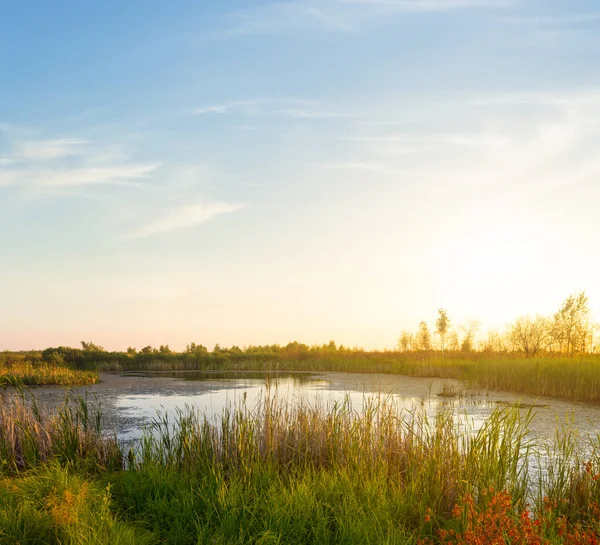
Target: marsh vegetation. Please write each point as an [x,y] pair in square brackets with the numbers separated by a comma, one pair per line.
[293,473]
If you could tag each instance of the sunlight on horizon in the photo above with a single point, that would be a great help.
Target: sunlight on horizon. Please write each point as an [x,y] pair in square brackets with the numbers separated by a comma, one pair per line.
[272,174]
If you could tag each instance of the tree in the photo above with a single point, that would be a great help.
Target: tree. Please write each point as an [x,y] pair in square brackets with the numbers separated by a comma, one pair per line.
[453,343]
[423,337]
[571,330]
[196,349]
[91,347]
[405,342]
[164,349]
[530,335]
[470,330]
[442,325]
[495,342]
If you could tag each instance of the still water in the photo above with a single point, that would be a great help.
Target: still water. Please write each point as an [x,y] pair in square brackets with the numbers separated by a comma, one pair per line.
[129,402]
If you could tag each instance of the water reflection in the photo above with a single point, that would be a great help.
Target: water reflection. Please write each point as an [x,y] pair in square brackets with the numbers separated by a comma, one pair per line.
[131,401]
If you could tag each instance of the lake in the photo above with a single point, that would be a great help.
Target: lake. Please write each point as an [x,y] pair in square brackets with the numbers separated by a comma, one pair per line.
[130,401]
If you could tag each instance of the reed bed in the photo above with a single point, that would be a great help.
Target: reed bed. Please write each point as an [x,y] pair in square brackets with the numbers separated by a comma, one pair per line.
[295,473]
[29,374]
[30,436]
[576,379]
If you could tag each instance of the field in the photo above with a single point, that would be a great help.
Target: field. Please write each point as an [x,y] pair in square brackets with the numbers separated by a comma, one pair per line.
[291,474]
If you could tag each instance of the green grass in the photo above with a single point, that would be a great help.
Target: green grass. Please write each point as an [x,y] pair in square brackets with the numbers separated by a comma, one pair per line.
[282,473]
[44,374]
[54,505]
[70,436]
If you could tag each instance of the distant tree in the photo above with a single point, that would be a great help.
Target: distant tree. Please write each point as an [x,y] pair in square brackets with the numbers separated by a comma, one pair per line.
[131,351]
[147,350]
[423,337]
[331,347]
[571,331]
[530,335]
[405,342]
[196,349]
[442,325]
[453,343]
[91,347]
[164,349]
[494,343]
[470,329]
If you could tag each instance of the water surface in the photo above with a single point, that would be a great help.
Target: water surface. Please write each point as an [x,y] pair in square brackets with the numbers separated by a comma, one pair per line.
[130,401]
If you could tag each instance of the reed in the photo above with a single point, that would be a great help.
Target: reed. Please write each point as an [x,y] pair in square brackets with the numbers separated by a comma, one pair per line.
[30,436]
[39,374]
[295,473]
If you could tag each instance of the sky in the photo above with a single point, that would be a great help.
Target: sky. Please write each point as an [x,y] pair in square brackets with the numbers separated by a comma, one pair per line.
[244,172]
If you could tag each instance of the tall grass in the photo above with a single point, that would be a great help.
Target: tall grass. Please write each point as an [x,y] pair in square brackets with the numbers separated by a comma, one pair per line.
[576,379]
[72,435]
[54,505]
[27,373]
[555,376]
[294,473]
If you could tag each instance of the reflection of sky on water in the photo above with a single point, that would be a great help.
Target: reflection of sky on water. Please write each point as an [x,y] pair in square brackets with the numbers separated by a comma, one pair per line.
[248,392]
[131,402]
[216,392]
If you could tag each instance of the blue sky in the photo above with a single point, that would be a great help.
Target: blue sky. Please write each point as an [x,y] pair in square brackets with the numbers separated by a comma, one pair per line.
[257,172]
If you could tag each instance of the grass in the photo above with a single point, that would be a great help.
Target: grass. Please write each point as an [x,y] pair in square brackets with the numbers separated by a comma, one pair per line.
[70,436]
[576,379]
[26,373]
[55,505]
[279,473]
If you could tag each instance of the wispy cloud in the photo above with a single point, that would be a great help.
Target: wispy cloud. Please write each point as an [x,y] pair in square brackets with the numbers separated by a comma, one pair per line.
[428,5]
[43,150]
[567,19]
[286,108]
[224,108]
[110,175]
[373,168]
[340,15]
[185,217]
[45,166]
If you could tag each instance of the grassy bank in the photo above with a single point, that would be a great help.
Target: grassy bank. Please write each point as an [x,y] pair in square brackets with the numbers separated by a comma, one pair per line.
[44,374]
[292,474]
[575,378]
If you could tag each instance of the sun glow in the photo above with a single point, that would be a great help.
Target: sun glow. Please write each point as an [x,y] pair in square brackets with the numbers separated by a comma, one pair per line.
[503,270]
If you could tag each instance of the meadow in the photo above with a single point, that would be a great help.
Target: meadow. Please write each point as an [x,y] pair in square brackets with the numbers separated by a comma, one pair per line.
[279,473]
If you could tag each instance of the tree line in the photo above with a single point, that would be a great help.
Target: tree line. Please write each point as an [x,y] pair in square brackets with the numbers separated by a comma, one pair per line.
[569,331]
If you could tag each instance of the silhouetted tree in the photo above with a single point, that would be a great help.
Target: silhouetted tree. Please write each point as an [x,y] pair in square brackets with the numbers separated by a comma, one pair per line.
[423,337]
[530,335]
[442,324]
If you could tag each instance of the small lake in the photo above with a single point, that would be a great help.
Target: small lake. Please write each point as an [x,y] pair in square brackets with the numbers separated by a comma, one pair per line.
[130,401]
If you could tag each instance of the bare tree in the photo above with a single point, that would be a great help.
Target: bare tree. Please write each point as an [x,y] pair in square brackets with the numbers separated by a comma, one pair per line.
[495,342]
[571,331]
[530,335]
[470,329]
